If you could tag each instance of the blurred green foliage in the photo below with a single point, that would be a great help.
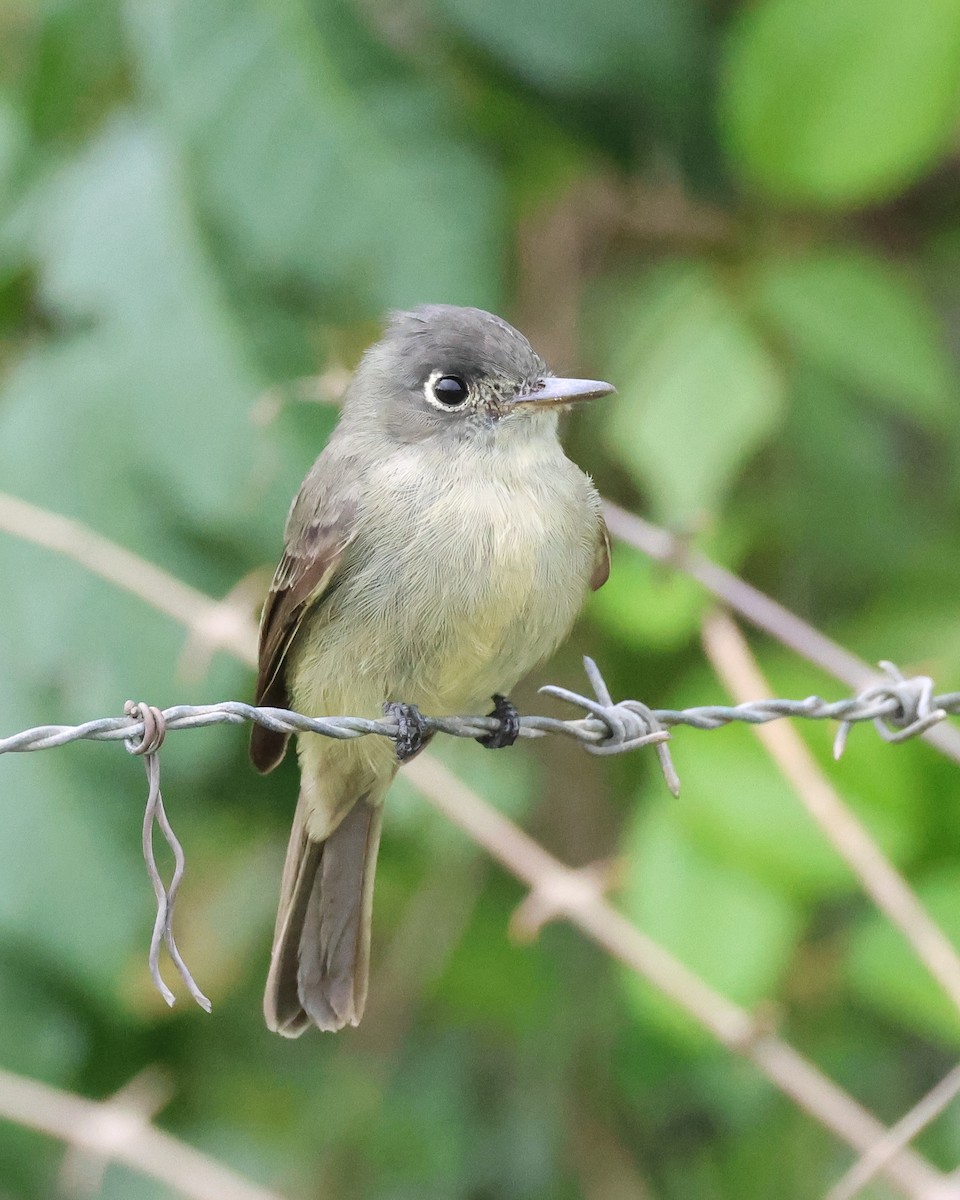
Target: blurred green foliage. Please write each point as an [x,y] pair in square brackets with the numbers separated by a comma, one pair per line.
[746,215]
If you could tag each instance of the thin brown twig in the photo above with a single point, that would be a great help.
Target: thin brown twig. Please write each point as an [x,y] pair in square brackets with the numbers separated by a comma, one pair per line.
[586,909]
[115,1133]
[727,649]
[758,608]
[742,597]
[868,1166]
[210,622]
[329,387]
[245,597]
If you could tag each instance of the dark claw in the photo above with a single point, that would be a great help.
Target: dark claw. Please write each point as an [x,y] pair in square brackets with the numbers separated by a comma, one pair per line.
[412,733]
[509,729]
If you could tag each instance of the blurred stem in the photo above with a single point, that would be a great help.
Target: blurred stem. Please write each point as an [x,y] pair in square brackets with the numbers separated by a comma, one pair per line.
[584,907]
[735,665]
[866,1168]
[211,623]
[82,1172]
[757,608]
[114,1133]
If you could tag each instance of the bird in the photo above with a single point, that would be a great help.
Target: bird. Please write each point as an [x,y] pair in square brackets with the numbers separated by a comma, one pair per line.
[437,551]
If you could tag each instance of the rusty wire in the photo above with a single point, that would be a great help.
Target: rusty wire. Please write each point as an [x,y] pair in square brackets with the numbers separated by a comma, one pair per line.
[899,708]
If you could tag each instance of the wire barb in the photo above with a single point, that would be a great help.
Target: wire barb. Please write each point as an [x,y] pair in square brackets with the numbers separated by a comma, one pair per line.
[914,712]
[630,724]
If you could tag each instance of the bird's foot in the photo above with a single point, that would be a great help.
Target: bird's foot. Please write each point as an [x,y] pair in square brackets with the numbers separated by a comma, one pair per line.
[412,733]
[509,729]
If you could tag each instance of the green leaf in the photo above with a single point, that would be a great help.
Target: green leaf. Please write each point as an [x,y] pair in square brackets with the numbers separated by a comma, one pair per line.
[12,140]
[646,603]
[698,392]
[41,1034]
[884,971]
[581,46]
[159,379]
[726,926]
[860,319]
[70,886]
[736,806]
[367,198]
[862,521]
[136,412]
[487,978]
[839,102]
[74,67]
[919,619]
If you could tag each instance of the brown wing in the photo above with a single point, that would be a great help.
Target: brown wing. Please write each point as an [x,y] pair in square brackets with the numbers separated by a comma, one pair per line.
[310,561]
[601,563]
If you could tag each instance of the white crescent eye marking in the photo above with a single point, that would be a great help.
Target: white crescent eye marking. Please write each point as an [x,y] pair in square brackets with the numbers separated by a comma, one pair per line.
[442,382]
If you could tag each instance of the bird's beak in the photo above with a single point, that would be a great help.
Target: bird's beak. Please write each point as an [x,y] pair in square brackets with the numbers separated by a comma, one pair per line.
[551,392]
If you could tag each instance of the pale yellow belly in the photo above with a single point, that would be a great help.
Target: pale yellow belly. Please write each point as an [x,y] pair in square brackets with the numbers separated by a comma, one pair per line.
[454,606]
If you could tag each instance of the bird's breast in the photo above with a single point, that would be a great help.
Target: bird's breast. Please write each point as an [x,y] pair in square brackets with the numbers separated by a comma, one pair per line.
[464,575]
[486,574]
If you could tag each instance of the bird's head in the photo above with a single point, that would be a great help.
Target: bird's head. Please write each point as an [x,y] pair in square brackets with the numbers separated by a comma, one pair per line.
[456,373]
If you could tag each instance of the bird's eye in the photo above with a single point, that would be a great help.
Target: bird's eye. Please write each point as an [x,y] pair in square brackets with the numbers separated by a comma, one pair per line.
[450,390]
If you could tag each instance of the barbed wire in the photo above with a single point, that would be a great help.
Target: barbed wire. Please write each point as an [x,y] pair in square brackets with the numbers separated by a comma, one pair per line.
[899,708]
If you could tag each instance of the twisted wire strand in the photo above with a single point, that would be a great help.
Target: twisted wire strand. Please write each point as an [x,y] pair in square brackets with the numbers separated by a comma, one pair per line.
[147,745]
[899,708]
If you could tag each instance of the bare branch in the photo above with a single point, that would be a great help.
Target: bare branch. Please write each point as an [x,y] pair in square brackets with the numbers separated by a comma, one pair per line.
[586,909]
[730,655]
[329,387]
[757,608]
[115,1133]
[142,1097]
[212,623]
[866,1168]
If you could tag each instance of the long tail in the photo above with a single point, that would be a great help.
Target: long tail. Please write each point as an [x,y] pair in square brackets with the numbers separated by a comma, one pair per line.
[321,947]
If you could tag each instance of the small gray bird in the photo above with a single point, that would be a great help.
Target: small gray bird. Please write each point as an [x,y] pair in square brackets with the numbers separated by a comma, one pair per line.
[439,548]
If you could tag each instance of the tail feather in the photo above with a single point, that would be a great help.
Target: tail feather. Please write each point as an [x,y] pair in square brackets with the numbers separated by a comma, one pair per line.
[321,952]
